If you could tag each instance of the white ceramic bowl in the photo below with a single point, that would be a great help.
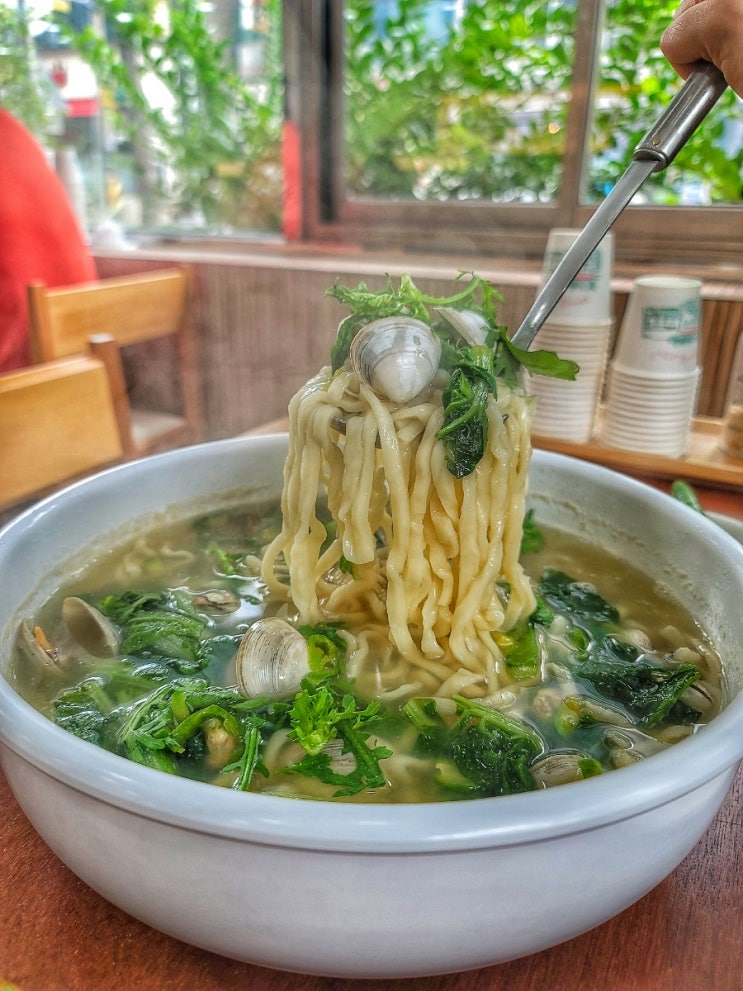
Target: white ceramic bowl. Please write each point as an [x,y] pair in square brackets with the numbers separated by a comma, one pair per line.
[377,891]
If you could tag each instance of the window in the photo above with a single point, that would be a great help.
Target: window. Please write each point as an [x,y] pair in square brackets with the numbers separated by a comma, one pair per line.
[173,108]
[454,125]
[477,126]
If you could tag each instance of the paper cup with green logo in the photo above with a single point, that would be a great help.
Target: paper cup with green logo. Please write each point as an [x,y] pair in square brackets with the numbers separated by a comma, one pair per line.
[661,326]
[587,299]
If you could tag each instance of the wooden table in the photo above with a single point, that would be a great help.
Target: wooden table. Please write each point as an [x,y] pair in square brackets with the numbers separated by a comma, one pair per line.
[685,935]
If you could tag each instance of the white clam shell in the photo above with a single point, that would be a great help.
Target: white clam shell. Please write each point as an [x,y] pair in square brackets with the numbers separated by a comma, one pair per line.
[41,662]
[397,356]
[557,769]
[470,326]
[90,628]
[272,659]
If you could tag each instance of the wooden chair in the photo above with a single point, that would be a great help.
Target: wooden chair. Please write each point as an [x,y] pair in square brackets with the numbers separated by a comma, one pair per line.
[117,319]
[58,423]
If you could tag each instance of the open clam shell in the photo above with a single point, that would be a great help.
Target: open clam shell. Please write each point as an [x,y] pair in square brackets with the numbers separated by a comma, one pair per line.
[90,628]
[397,356]
[42,657]
[471,326]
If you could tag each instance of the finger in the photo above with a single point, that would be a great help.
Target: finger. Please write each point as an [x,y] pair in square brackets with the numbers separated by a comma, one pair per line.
[684,6]
[683,40]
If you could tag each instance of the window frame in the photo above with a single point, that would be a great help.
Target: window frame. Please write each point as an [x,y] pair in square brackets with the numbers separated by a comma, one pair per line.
[314,60]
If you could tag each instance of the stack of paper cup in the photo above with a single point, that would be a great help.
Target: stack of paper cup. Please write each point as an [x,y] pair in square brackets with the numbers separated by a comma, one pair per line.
[566,409]
[579,329]
[653,380]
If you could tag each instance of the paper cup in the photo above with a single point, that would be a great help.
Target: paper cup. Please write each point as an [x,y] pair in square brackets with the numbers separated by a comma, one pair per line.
[649,413]
[660,391]
[575,340]
[566,410]
[660,329]
[588,297]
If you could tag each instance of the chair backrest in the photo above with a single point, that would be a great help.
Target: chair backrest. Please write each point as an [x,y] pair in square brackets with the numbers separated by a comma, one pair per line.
[130,309]
[58,423]
[124,311]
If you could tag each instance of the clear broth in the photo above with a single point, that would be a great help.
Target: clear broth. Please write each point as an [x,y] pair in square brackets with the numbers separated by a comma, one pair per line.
[222,552]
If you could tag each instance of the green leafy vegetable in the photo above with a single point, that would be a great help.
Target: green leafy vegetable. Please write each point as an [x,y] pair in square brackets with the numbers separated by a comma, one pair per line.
[353,726]
[589,767]
[164,625]
[315,716]
[326,649]
[649,691]
[532,539]
[323,712]
[485,753]
[520,646]
[89,708]
[249,760]
[520,649]
[581,601]
[465,399]
[542,362]
[474,369]
[367,305]
[144,711]
[685,493]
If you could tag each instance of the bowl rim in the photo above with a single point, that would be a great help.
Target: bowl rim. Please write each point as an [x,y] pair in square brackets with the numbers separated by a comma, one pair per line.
[374,828]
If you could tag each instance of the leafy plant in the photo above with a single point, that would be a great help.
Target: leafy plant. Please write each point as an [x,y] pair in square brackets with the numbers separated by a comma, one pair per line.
[208,142]
[635,82]
[477,137]
[25,91]
[479,111]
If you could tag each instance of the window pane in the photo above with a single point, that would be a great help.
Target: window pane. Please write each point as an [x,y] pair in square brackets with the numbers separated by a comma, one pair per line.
[635,83]
[173,107]
[450,100]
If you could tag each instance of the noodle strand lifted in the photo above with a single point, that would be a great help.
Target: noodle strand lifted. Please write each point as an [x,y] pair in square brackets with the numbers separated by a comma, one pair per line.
[422,567]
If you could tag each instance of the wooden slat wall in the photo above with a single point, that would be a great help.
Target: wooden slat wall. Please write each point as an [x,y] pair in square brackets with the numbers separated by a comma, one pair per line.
[264,324]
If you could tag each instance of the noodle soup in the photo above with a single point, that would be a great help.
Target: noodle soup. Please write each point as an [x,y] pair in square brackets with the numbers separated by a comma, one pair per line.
[181,599]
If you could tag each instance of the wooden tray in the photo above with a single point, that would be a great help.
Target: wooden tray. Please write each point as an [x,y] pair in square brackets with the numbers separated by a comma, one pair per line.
[703,463]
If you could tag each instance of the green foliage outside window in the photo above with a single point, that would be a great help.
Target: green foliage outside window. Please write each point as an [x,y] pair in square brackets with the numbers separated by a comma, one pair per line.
[24,90]
[454,117]
[210,143]
[477,111]
[635,82]
[480,112]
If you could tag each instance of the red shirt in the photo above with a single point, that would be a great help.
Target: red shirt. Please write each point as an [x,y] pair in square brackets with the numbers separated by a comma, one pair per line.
[40,236]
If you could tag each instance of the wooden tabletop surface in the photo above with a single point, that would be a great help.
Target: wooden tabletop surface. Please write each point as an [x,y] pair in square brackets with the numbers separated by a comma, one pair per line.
[56,934]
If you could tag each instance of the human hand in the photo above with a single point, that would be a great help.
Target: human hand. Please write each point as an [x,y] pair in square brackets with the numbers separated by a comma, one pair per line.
[711,30]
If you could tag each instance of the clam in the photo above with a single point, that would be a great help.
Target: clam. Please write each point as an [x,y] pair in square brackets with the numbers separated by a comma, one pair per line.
[397,356]
[471,326]
[90,628]
[217,600]
[699,696]
[628,746]
[592,710]
[42,657]
[272,659]
[558,769]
